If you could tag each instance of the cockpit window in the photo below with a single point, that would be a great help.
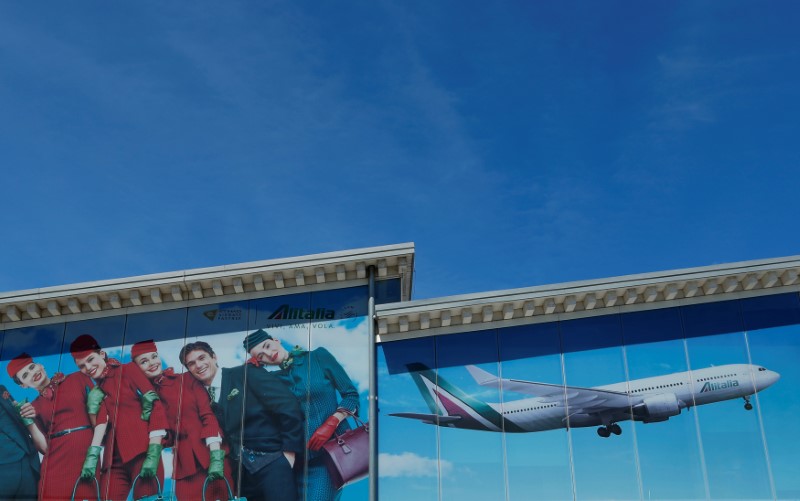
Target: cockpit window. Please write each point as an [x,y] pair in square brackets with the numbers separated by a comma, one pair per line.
[761,369]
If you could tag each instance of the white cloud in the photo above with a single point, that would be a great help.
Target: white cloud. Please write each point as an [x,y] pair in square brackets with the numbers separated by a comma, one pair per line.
[408,464]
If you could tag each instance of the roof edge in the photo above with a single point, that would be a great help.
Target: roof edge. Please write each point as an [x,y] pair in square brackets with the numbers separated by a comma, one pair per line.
[656,288]
[225,282]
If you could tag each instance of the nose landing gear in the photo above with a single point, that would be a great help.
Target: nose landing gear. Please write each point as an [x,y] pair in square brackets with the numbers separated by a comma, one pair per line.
[747,405]
[606,431]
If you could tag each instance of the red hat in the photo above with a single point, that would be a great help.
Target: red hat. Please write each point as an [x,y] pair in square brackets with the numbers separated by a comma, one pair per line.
[143,347]
[83,346]
[18,363]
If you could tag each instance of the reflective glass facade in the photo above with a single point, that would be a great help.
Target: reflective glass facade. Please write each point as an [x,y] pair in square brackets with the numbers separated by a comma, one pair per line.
[173,353]
[689,402]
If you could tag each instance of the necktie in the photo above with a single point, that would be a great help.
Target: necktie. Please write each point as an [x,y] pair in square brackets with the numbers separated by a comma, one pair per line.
[212,392]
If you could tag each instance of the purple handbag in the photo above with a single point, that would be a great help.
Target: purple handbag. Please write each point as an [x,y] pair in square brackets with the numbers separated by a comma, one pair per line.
[346,456]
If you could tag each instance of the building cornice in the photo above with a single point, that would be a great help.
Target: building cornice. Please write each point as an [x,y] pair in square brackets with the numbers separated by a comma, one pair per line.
[225,283]
[585,298]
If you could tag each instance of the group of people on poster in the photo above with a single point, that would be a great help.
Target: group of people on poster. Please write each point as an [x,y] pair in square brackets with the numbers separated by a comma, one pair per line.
[102,428]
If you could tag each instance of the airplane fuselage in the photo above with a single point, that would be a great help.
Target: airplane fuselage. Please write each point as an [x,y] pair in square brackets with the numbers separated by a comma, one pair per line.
[669,394]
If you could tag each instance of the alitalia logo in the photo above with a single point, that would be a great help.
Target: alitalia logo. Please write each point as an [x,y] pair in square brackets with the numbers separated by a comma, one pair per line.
[285,312]
[711,386]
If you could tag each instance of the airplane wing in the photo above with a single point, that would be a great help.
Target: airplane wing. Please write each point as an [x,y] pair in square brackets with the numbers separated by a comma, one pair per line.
[427,418]
[580,400]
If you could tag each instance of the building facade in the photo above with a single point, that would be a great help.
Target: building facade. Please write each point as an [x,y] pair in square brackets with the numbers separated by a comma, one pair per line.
[669,385]
[674,385]
[172,333]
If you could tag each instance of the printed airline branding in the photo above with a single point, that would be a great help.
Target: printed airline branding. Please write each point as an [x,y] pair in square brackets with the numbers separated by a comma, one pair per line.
[285,312]
[711,386]
[286,316]
[227,314]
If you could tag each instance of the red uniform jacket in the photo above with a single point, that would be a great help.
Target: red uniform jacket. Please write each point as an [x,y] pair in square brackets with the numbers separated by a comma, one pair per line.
[60,407]
[191,423]
[123,385]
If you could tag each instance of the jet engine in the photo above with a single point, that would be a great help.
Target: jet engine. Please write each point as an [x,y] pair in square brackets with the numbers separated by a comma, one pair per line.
[658,408]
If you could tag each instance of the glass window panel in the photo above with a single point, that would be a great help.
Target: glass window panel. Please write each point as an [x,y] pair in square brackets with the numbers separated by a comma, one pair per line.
[474,407]
[711,318]
[669,450]
[122,433]
[604,468]
[288,320]
[733,448]
[537,450]
[337,375]
[770,311]
[777,349]
[54,414]
[387,291]
[408,464]
[163,370]
[219,328]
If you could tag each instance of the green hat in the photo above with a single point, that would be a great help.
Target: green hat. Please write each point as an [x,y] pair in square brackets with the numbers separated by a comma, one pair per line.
[254,339]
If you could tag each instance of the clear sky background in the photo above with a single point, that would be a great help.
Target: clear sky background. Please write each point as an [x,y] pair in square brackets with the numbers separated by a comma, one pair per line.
[516,144]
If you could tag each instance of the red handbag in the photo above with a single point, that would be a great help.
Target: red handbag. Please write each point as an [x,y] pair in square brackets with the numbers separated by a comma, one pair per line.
[346,456]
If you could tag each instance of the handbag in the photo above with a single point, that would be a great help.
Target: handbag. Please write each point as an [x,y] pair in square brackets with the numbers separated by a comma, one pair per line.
[231,497]
[96,486]
[346,456]
[152,497]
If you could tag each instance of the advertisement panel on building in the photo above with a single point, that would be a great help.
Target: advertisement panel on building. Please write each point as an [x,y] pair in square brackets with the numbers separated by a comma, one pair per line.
[688,402]
[186,400]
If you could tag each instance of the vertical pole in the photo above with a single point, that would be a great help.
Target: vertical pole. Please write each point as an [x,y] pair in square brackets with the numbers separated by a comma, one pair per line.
[373,393]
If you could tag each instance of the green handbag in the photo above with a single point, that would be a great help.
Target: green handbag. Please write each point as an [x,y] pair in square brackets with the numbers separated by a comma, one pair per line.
[151,497]
[231,497]
[96,487]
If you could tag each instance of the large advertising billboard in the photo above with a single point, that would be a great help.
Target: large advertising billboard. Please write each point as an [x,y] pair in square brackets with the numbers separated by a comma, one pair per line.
[261,395]
[693,402]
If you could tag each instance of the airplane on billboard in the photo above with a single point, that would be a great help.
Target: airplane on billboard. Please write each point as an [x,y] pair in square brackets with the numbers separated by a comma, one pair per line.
[553,406]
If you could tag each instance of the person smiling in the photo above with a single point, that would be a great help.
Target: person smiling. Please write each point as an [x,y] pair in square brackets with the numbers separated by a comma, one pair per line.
[62,418]
[265,432]
[318,381]
[196,432]
[125,399]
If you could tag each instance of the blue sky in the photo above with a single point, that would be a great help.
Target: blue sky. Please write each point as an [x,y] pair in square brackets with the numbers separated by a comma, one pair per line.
[516,144]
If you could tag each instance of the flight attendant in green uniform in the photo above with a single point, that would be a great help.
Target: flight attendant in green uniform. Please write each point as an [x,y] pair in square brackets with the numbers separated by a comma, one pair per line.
[19,462]
[326,395]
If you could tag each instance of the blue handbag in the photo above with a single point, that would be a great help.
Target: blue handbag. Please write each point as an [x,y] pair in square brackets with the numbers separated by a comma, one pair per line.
[152,497]
[96,487]
[231,497]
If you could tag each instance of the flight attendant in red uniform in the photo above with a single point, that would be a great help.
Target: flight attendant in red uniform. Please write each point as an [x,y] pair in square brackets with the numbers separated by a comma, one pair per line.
[137,422]
[61,417]
[197,448]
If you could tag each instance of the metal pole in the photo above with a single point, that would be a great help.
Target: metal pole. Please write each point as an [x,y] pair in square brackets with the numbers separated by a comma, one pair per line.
[373,393]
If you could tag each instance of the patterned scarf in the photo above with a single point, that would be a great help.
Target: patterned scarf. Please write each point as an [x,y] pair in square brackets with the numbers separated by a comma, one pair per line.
[167,373]
[49,391]
[111,362]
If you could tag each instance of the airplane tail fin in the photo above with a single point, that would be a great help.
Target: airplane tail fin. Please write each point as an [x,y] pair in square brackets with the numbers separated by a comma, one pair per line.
[450,405]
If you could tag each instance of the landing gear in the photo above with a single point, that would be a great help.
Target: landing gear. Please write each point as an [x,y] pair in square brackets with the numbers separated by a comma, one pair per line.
[747,405]
[606,431]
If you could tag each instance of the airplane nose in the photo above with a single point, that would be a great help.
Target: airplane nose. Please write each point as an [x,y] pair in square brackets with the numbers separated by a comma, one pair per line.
[772,377]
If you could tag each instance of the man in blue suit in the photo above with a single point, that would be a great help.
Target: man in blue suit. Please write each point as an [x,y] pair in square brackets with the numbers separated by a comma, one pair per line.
[261,421]
[19,461]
